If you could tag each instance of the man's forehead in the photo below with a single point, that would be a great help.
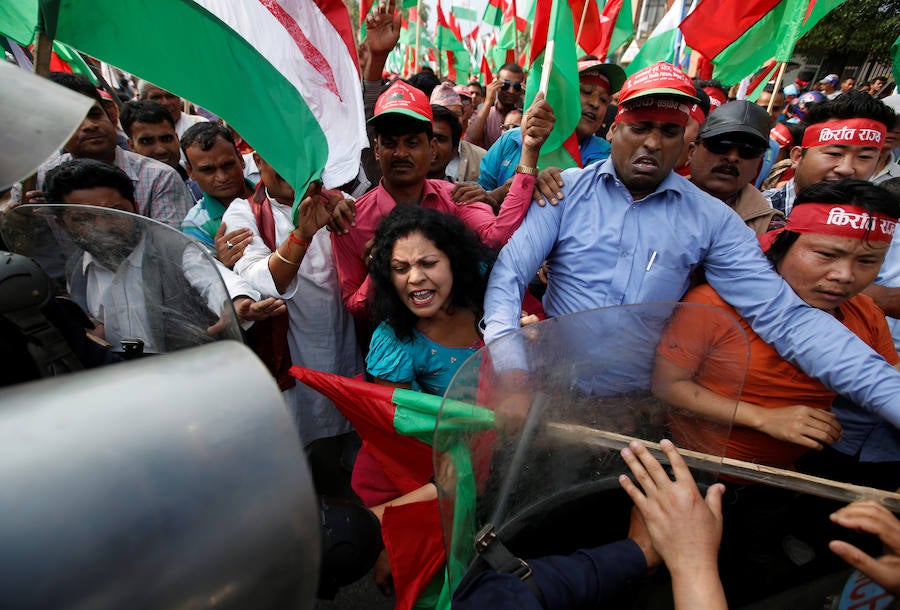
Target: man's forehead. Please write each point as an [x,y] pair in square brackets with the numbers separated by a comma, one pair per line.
[847,245]
[510,75]
[163,126]
[219,147]
[397,134]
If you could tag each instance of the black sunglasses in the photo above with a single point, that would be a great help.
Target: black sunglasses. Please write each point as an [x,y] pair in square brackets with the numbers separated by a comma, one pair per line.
[745,151]
[509,84]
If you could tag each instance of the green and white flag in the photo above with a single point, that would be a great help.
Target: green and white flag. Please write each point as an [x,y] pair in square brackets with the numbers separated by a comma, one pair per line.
[660,46]
[284,73]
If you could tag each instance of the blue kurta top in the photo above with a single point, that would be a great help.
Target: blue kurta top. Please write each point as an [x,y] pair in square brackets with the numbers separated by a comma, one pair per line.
[429,366]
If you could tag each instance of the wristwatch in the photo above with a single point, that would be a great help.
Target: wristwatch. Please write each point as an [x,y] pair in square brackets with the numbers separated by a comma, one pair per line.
[524,169]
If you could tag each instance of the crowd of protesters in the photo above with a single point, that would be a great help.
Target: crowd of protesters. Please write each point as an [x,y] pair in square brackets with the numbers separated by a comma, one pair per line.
[780,212]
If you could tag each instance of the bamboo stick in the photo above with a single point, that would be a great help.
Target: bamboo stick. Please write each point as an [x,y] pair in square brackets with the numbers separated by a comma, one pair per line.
[758,473]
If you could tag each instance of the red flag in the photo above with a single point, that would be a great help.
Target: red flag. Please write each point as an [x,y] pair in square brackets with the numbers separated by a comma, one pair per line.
[715,24]
[509,11]
[761,75]
[590,37]
[413,538]
[364,7]
[607,27]
[370,408]
[486,70]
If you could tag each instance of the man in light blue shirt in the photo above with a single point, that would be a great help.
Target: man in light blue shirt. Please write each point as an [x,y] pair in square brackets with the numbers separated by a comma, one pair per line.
[629,230]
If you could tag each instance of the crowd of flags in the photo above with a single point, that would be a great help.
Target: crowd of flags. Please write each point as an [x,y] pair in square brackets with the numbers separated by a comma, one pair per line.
[723,39]
[730,40]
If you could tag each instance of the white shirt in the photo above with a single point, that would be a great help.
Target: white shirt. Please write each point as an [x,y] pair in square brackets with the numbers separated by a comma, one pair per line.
[321,333]
[116,298]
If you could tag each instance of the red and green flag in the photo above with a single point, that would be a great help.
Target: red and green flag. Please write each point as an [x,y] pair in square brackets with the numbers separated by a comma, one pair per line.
[398,427]
[739,37]
[493,13]
[511,30]
[284,73]
[18,19]
[616,27]
[553,20]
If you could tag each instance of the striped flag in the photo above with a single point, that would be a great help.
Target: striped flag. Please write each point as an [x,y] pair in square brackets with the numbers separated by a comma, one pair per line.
[662,43]
[284,73]
[739,37]
[554,20]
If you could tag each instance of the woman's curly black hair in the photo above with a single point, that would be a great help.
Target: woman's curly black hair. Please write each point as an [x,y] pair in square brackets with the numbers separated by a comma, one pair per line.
[470,263]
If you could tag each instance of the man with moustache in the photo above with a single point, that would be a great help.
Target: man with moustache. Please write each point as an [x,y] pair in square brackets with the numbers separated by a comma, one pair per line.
[403,147]
[726,158]
[629,230]
[159,192]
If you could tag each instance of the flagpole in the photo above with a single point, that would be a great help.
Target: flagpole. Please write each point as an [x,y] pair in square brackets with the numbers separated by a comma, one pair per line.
[581,23]
[777,86]
[418,34]
[515,16]
[43,47]
[546,67]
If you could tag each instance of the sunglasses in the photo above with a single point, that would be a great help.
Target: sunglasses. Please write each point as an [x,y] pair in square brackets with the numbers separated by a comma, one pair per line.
[507,126]
[745,151]
[508,84]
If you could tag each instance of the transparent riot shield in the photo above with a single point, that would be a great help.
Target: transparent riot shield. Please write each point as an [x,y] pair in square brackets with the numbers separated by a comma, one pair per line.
[147,287]
[566,395]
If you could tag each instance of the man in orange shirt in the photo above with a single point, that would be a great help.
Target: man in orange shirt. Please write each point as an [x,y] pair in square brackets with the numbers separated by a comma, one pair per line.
[827,261]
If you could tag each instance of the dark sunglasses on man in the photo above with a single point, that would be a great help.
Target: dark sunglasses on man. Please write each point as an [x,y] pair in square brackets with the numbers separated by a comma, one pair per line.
[508,84]
[720,146]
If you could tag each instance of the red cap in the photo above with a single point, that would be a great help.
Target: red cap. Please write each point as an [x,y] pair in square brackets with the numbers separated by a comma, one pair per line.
[662,79]
[612,73]
[716,97]
[403,98]
[104,95]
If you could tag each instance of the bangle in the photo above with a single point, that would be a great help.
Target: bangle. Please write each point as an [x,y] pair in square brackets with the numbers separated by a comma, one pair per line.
[283,259]
[300,242]
[524,169]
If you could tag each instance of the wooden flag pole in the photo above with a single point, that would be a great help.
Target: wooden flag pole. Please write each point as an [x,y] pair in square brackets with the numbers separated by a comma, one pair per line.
[777,87]
[758,473]
[43,47]
[515,16]
[581,23]
[546,67]
[418,35]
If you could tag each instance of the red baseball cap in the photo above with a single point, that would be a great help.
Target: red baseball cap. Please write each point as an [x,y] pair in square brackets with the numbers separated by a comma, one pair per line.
[659,79]
[612,73]
[403,98]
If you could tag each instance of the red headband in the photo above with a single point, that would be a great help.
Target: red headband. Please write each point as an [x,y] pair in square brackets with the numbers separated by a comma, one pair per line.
[850,132]
[596,78]
[838,220]
[654,110]
[781,134]
[697,113]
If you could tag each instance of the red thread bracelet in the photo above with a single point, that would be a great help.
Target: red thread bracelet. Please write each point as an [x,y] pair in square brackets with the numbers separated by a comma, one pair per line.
[298,241]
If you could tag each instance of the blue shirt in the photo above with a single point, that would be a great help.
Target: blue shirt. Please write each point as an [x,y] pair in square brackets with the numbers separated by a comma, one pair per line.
[866,434]
[768,161]
[427,365]
[603,248]
[499,163]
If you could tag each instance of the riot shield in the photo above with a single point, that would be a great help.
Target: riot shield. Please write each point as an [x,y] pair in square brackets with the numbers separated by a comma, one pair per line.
[146,286]
[567,394]
[169,482]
